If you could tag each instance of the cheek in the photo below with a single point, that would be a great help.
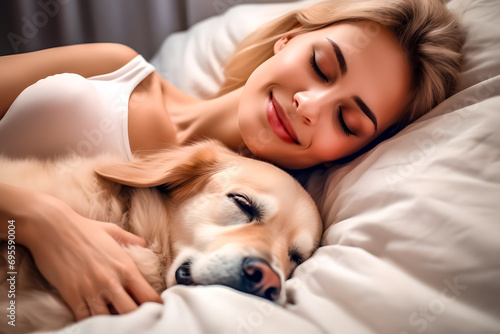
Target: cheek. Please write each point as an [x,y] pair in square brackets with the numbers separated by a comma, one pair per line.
[331,144]
[286,68]
[291,69]
[328,144]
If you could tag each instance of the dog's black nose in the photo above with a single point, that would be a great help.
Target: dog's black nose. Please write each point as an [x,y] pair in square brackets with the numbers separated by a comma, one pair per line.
[183,274]
[259,279]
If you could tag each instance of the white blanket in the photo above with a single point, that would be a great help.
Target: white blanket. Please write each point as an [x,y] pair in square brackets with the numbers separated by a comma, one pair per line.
[412,228]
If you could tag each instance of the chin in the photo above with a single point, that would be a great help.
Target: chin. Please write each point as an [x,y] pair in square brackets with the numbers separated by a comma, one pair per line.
[277,159]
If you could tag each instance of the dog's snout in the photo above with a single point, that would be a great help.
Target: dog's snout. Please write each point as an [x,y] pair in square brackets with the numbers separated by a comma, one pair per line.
[260,279]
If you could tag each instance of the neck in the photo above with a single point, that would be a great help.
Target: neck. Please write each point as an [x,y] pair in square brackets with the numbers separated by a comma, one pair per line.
[200,119]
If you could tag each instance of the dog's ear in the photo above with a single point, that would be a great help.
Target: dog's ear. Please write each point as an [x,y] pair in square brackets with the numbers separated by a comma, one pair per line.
[170,168]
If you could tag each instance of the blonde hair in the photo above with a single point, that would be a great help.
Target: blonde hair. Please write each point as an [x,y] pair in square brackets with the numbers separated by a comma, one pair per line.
[427,32]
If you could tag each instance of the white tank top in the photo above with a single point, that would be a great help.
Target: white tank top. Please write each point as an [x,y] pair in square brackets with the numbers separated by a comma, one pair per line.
[69,114]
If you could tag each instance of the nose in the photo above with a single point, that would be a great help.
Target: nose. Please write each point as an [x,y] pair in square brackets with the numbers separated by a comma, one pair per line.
[259,279]
[309,105]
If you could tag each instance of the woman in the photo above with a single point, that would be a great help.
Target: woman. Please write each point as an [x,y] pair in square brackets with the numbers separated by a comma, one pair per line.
[314,86]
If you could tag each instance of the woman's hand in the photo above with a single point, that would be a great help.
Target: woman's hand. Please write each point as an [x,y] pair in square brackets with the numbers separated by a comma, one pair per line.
[82,259]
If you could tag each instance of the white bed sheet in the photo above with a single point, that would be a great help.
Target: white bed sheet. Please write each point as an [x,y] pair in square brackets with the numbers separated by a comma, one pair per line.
[412,228]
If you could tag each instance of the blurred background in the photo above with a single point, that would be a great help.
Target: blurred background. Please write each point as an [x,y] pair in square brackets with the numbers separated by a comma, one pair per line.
[30,25]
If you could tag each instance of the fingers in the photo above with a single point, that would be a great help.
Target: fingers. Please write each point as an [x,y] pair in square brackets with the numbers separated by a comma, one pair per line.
[122,236]
[94,304]
[122,302]
[98,304]
[112,279]
[143,292]
[81,309]
[122,297]
[101,302]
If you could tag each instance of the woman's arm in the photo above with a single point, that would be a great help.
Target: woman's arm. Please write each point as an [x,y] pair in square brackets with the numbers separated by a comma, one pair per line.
[78,256]
[22,70]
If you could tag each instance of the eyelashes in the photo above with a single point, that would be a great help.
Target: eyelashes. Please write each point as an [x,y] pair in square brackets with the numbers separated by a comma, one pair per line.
[247,206]
[314,64]
[295,257]
[344,126]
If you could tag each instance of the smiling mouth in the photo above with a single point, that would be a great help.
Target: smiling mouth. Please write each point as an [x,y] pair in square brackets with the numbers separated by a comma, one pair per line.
[279,122]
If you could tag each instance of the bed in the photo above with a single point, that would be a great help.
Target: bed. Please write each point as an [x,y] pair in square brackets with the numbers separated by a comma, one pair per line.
[412,228]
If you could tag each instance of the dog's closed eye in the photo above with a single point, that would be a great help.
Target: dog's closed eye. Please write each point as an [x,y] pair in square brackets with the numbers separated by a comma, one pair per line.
[295,257]
[246,205]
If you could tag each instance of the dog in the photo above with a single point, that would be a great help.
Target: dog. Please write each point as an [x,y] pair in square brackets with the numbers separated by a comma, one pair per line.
[208,215]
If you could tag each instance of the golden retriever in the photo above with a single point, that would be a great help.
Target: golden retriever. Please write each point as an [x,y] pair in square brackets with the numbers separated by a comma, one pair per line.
[209,216]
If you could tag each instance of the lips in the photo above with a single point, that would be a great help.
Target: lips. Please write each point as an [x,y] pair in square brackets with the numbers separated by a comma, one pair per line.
[279,122]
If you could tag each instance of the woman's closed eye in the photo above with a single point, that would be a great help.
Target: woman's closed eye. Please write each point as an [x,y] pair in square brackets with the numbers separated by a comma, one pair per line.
[343,125]
[316,68]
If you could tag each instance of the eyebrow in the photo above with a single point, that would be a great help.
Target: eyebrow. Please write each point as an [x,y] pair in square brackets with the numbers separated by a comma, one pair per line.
[340,57]
[367,111]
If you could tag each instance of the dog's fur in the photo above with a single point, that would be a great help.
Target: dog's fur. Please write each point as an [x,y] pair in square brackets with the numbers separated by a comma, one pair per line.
[182,201]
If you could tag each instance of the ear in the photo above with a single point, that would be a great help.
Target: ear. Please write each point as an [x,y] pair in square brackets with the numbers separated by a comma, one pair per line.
[170,168]
[280,43]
